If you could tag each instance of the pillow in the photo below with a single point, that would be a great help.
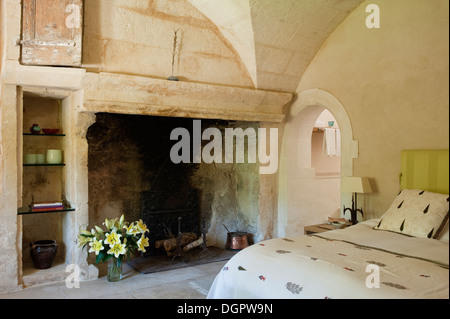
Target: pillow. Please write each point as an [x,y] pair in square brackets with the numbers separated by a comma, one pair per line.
[416,213]
[444,235]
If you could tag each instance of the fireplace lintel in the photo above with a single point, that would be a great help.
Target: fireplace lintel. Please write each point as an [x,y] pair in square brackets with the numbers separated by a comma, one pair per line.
[118,93]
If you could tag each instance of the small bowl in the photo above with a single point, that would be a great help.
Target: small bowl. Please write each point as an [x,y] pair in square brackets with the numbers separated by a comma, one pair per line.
[50,130]
[338,225]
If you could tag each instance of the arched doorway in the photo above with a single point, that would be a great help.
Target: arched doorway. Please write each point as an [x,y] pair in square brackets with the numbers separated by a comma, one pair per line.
[325,146]
[299,190]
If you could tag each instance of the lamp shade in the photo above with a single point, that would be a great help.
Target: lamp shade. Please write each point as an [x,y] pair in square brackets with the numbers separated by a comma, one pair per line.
[356,184]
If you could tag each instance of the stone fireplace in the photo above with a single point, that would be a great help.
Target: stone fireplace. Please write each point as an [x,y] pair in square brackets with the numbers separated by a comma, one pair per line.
[130,172]
[96,104]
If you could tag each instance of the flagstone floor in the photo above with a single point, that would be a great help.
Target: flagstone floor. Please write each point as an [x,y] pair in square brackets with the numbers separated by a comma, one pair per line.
[184,283]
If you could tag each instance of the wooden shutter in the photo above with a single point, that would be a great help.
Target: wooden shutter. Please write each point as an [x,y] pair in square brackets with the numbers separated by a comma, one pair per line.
[52,32]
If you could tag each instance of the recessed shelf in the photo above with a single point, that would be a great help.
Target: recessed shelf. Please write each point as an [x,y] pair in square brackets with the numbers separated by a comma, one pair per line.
[42,134]
[44,164]
[27,211]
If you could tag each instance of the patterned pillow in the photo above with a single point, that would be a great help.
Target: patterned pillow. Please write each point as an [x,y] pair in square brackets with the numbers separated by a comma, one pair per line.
[416,213]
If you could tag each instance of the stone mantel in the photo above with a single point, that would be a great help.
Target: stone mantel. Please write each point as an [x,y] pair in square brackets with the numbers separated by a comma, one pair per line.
[117,93]
[128,94]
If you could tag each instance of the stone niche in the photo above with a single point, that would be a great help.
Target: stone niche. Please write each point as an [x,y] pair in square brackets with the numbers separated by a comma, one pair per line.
[42,183]
[129,155]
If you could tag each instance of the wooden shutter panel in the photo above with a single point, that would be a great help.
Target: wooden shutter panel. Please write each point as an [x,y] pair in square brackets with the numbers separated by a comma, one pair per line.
[52,32]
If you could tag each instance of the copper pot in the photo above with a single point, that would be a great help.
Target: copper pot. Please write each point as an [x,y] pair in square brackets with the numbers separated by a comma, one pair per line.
[237,240]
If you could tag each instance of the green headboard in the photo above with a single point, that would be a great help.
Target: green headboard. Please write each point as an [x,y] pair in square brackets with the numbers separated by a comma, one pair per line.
[425,169]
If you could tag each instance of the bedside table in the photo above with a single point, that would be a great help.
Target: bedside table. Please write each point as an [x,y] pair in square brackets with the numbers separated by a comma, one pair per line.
[319,228]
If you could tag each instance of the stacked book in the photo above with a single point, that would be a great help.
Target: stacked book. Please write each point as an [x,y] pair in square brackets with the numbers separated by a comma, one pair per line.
[46,206]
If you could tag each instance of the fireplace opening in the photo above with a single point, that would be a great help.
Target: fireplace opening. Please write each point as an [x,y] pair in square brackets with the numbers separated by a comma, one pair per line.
[130,172]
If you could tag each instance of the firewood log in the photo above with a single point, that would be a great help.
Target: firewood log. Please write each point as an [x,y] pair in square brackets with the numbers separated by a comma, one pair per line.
[159,243]
[170,244]
[193,244]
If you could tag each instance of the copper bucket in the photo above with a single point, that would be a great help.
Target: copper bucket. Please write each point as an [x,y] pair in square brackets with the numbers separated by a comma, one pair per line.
[237,240]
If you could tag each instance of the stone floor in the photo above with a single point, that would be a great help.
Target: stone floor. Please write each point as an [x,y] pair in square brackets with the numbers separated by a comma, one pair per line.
[185,283]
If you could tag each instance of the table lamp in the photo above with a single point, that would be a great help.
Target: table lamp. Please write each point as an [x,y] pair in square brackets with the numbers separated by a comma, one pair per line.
[355,185]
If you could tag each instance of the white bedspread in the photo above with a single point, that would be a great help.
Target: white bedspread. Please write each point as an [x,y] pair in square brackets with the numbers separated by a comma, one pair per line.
[338,264]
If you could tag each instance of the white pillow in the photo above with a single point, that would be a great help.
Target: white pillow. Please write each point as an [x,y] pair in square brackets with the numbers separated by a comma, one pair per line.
[416,213]
[444,235]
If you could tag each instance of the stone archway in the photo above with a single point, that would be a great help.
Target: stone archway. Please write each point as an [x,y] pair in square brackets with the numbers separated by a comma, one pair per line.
[297,201]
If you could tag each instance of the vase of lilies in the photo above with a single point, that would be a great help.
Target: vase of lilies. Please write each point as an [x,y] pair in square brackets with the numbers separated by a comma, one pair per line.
[114,244]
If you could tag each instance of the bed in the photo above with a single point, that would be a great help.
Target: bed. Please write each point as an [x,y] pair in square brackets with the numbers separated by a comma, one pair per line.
[403,254]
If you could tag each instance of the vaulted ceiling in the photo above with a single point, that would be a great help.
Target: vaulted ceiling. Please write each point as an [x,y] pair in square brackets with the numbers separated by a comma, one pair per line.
[276,39]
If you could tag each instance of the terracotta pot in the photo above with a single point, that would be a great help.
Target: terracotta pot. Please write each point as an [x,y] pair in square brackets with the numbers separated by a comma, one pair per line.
[42,253]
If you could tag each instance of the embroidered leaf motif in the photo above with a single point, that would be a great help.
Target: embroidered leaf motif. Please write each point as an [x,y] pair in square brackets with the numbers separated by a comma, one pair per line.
[430,234]
[426,209]
[242,268]
[362,247]
[400,204]
[421,192]
[397,286]
[281,251]
[294,288]
[376,263]
[288,240]
[402,225]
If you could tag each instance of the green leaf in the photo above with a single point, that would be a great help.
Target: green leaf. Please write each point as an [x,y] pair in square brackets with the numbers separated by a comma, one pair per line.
[99,257]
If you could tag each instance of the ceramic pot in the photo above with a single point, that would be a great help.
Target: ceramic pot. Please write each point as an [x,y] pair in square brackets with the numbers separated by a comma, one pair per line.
[40,159]
[30,158]
[35,129]
[42,253]
[54,156]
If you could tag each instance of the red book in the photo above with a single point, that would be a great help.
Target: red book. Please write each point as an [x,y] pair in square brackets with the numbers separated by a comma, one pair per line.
[46,208]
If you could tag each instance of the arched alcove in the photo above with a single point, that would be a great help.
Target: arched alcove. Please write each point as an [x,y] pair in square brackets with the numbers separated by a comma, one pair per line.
[299,190]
